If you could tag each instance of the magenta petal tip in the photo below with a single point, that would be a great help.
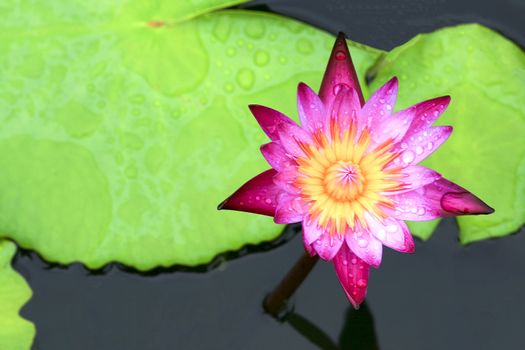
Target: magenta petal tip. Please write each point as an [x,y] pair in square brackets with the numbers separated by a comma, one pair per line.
[463,203]
[258,195]
[269,119]
[340,71]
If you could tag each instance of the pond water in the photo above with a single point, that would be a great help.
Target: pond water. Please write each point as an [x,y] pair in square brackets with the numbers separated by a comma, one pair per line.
[445,296]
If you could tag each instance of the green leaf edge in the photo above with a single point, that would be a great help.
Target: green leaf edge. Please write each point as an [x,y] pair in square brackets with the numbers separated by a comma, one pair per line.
[23,329]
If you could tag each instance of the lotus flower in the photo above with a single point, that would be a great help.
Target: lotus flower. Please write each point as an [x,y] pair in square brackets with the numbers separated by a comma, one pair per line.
[349,173]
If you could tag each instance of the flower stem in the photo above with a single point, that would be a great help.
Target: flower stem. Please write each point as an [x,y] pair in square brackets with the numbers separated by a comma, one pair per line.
[275,303]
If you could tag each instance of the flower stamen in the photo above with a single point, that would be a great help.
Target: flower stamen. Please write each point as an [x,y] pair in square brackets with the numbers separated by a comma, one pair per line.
[341,177]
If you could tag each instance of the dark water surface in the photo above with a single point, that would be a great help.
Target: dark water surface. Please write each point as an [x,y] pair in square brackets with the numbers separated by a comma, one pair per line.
[444,296]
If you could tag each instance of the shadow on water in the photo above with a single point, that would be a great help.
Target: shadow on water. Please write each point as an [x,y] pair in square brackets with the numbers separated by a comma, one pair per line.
[358,331]
[311,332]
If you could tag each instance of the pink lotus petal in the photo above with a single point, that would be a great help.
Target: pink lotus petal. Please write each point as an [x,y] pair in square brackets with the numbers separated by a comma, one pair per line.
[392,233]
[345,108]
[269,120]
[309,249]
[421,145]
[340,72]
[439,199]
[393,127]
[414,206]
[290,136]
[328,245]
[311,231]
[380,104]
[353,275]
[464,203]
[258,195]
[290,209]
[426,114]
[276,156]
[416,176]
[285,180]
[311,109]
[457,200]
[365,246]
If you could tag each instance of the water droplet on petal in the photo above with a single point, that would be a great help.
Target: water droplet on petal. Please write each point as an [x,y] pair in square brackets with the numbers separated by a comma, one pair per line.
[421,211]
[398,237]
[361,283]
[362,243]
[419,150]
[408,157]
[353,261]
[345,262]
[391,228]
[268,201]
[381,234]
[338,88]
[430,145]
[340,55]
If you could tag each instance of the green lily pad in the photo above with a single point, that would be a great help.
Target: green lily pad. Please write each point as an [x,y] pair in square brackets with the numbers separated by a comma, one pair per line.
[124,127]
[15,332]
[485,75]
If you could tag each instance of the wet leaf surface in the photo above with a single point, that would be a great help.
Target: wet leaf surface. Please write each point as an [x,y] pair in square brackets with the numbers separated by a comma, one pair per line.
[134,125]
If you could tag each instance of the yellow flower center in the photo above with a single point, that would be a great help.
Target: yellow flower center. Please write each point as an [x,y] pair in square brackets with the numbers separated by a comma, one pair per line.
[342,177]
[343,180]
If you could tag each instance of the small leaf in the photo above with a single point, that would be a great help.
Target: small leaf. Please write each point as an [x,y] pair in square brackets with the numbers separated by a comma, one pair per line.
[485,75]
[15,332]
[124,127]
[423,229]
